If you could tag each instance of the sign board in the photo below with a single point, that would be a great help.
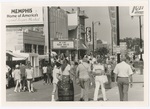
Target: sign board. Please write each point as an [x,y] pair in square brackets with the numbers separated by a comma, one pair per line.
[118,49]
[88,34]
[24,15]
[63,44]
[137,10]
[73,19]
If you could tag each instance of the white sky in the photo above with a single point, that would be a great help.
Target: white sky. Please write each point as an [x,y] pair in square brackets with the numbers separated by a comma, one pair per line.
[128,27]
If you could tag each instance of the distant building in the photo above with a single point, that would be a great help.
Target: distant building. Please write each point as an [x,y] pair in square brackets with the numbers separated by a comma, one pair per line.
[76,31]
[101,44]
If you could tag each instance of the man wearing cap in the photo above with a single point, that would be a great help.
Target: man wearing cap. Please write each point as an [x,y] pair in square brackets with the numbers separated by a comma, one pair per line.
[123,76]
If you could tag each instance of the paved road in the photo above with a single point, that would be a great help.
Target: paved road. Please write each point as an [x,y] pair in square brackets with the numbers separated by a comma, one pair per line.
[43,92]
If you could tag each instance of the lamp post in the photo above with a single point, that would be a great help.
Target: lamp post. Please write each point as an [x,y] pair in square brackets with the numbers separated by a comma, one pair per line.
[118,33]
[140,26]
[141,59]
[93,23]
[49,36]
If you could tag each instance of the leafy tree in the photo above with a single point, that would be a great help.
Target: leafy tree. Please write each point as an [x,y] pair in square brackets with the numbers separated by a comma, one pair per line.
[102,51]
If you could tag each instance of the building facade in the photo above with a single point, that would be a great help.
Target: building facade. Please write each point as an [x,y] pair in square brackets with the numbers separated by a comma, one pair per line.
[76,31]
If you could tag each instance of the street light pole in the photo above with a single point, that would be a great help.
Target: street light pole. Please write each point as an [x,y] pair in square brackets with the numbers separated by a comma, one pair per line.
[118,33]
[49,36]
[93,35]
[141,59]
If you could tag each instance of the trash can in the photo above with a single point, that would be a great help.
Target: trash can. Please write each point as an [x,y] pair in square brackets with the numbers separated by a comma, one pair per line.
[65,89]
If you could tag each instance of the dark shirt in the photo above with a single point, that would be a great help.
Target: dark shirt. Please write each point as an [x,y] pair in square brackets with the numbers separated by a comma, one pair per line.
[23,69]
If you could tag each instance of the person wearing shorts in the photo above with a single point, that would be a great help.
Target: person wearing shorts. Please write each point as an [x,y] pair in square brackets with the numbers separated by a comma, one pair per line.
[30,77]
[16,74]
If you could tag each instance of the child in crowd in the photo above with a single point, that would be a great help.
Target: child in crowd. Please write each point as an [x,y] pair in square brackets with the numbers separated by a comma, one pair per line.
[30,77]
[56,77]
[16,74]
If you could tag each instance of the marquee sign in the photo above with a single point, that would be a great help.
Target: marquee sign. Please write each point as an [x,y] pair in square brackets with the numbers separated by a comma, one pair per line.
[63,44]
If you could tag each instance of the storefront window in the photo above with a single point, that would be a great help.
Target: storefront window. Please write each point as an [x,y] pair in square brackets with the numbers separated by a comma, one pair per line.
[41,49]
[34,48]
[28,48]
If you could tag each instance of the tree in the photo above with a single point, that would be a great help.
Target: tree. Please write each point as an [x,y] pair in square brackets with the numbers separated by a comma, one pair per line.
[102,51]
[131,43]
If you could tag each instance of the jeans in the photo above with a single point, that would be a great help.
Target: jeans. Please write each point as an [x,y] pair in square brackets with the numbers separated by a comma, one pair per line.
[84,83]
[123,86]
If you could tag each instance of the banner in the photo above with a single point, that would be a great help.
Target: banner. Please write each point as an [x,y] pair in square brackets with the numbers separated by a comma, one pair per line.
[136,10]
[113,21]
[24,15]
[88,34]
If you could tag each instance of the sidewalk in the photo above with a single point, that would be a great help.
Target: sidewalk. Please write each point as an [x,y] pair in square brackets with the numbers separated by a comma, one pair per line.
[136,93]
[43,92]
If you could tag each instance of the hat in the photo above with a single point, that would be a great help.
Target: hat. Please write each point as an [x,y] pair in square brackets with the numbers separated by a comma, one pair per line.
[17,66]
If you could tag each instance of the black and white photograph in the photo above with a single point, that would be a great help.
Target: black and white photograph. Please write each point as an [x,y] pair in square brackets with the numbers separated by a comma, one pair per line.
[58,53]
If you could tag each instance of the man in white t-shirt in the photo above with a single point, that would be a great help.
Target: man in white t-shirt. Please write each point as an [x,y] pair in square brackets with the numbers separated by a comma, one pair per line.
[123,75]
[44,73]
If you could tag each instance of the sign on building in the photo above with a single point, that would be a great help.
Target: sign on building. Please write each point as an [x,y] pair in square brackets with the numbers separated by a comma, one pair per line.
[88,34]
[113,21]
[24,15]
[137,10]
[63,44]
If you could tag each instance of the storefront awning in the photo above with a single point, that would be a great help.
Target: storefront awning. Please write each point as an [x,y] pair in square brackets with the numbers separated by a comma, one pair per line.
[82,47]
[14,54]
[72,27]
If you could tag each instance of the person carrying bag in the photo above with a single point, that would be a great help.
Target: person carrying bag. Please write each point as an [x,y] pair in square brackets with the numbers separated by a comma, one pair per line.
[100,79]
[83,78]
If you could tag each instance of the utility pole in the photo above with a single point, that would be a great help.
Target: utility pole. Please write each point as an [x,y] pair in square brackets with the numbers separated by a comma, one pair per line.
[140,26]
[93,35]
[49,36]
[118,33]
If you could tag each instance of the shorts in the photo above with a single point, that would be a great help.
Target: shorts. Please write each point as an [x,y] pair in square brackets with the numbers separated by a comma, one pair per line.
[55,81]
[19,80]
[31,80]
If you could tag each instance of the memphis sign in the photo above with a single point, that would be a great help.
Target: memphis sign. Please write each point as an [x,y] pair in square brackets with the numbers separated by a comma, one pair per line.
[24,15]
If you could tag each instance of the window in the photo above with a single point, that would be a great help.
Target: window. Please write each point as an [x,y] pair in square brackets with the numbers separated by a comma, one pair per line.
[28,48]
[34,48]
[41,49]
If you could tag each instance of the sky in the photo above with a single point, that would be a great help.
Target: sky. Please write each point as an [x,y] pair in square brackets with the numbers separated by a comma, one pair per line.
[129,27]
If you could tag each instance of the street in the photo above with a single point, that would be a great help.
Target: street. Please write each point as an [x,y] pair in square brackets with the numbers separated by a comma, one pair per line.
[43,92]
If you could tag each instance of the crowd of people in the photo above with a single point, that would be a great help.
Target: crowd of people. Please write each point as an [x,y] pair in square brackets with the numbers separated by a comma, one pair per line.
[89,70]
[23,76]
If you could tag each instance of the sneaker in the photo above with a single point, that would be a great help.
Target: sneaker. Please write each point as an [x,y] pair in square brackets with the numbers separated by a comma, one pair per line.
[81,99]
[105,100]
[29,91]
[53,100]
[15,91]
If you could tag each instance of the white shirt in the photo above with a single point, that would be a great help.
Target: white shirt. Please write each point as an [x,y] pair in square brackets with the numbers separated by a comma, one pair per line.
[29,73]
[66,70]
[123,69]
[55,72]
[93,60]
[97,68]
[44,69]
